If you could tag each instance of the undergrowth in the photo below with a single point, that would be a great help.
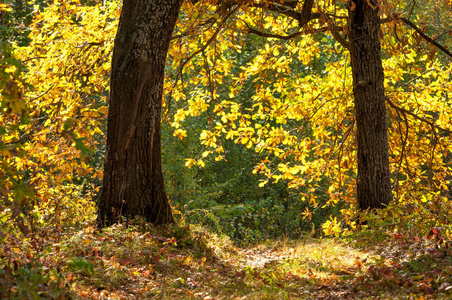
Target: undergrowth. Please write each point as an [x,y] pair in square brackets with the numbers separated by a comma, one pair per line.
[138,260]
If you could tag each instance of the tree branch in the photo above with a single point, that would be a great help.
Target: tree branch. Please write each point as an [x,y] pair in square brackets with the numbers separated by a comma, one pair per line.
[272,35]
[278,8]
[306,12]
[302,17]
[333,29]
[202,49]
[212,38]
[432,124]
[211,21]
[426,37]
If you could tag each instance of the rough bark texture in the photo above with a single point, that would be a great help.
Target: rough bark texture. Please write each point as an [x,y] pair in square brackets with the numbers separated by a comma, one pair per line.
[373,182]
[133,181]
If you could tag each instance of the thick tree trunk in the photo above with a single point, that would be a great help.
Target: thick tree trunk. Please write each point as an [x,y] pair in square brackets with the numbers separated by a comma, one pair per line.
[133,181]
[373,182]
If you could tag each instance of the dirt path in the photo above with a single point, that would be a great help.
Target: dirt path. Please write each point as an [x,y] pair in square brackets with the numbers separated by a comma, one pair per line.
[259,257]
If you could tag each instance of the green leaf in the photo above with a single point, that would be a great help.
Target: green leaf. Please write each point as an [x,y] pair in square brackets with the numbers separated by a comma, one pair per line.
[80,264]
[80,146]
[68,124]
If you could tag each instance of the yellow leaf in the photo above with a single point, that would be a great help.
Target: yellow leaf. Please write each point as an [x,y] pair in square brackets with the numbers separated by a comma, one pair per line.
[190,162]
[180,133]
[201,163]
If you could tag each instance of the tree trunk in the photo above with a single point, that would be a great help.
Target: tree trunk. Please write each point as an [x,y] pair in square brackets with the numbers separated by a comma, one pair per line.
[373,182]
[133,181]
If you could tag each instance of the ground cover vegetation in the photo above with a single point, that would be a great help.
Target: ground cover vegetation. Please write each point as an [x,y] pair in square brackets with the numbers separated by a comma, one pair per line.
[282,125]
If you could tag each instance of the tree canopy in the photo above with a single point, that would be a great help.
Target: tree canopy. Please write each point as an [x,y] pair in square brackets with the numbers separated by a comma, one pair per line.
[261,75]
[260,106]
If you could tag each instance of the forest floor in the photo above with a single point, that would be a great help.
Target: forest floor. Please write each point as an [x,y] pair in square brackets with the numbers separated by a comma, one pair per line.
[143,262]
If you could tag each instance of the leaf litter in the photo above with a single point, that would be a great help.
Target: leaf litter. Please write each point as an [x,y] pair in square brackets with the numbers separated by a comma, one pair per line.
[145,262]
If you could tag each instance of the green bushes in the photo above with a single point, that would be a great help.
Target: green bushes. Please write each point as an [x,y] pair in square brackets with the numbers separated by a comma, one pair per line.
[225,196]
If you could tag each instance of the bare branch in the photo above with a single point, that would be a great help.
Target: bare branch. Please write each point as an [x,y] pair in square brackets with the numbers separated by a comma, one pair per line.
[442,34]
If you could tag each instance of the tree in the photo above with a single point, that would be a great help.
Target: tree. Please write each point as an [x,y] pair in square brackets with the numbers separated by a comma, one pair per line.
[363,41]
[133,181]
[288,99]
[321,103]
[373,183]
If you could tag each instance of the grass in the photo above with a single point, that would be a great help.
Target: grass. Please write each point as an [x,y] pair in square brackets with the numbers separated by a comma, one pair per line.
[145,262]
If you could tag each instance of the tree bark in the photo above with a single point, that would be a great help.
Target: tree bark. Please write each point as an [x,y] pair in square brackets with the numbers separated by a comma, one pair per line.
[133,180]
[373,181]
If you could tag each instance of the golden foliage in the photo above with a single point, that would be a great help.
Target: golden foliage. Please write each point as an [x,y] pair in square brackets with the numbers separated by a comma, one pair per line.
[290,100]
[67,64]
[270,95]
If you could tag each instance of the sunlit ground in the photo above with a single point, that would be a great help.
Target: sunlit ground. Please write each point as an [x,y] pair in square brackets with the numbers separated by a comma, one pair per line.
[143,262]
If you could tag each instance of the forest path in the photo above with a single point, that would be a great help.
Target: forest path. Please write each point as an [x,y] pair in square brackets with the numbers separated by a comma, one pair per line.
[331,269]
[260,256]
[176,263]
[304,269]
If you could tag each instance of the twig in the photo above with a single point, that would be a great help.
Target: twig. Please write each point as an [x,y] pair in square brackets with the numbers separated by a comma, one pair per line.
[42,95]
[432,124]
[203,48]
[426,37]
[165,270]
[405,139]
